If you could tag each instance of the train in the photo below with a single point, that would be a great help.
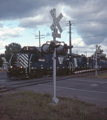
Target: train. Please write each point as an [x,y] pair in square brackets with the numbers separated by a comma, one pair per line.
[34,62]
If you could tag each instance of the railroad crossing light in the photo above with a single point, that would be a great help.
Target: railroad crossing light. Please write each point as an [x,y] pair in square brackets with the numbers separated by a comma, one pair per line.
[62,49]
[49,48]
[98,59]
[45,48]
[53,46]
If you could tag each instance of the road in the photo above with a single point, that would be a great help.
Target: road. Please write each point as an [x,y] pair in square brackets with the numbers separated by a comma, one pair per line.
[86,89]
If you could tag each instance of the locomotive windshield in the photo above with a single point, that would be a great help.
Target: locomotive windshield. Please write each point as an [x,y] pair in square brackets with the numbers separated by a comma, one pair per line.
[29,49]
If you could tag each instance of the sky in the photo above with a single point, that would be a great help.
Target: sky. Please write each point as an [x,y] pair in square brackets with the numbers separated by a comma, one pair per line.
[21,21]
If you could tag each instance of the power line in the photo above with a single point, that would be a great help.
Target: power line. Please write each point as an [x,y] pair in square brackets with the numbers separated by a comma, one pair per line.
[39,37]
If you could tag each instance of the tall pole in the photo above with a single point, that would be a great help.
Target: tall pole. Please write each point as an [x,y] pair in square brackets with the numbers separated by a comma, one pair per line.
[70,35]
[39,37]
[39,40]
[54,99]
[96,63]
[55,34]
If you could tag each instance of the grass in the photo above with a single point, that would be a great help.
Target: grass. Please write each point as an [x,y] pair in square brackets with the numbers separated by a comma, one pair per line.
[100,76]
[28,105]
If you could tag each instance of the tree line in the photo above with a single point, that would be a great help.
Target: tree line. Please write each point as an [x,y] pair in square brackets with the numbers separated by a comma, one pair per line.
[10,49]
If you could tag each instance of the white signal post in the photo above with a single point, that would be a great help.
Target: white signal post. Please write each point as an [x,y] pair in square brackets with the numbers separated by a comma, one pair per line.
[97,52]
[55,34]
[96,62]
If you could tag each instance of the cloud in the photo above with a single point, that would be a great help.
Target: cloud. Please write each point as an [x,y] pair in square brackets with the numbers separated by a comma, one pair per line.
[42,17]
[81,48]
[89,17]
[2,45]
[23,8]
[33,22]
[17,9]
[1,25]
[90,20]
[78,43]
[6,32]
[48,34]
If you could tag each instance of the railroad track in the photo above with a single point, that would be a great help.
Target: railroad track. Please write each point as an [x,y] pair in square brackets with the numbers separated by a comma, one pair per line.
[15,84]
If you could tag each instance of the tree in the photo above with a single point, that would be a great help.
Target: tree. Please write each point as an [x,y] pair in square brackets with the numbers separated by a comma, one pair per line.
[1,62]
[10,49]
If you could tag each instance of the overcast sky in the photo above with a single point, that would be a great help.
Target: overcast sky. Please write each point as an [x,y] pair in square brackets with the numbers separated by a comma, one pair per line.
[21,20]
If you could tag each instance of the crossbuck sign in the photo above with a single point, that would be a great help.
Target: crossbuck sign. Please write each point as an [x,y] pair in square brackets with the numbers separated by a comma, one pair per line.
[56,23]
[55,34]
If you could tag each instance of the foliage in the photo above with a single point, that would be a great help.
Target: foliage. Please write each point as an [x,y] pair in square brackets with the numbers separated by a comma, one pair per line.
[1,62]
[2,55]
[10,49]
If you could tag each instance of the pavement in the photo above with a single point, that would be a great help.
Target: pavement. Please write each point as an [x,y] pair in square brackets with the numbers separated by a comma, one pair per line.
[86,89]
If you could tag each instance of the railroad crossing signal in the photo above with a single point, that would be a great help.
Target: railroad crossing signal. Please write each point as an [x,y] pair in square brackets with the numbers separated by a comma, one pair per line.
[55,21]
[55,34]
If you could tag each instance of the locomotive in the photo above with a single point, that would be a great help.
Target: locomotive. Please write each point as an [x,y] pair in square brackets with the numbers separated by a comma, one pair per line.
[34,62]
[81,62]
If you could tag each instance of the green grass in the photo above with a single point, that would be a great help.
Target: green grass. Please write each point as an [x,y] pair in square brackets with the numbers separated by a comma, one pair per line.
[29,105]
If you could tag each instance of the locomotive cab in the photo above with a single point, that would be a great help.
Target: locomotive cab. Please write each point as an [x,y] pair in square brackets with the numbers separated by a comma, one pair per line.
[24,64]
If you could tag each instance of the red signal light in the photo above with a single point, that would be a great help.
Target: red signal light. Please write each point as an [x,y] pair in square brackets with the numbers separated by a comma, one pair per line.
[65,50]
[98,59]
[51,49]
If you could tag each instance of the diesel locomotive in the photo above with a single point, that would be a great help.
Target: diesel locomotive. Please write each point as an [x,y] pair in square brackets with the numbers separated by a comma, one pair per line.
[34,62]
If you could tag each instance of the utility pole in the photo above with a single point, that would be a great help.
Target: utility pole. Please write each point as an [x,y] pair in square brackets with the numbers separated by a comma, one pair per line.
[70,38]
[85,53]
[70,35]
[39,37]
[96,62]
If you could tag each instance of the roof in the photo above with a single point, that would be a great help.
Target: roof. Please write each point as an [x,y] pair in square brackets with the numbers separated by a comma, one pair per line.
[30,49]
[39,49]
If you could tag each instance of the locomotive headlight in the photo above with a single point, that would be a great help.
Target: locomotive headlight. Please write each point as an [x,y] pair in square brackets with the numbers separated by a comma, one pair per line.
[20,66]
[11,66]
